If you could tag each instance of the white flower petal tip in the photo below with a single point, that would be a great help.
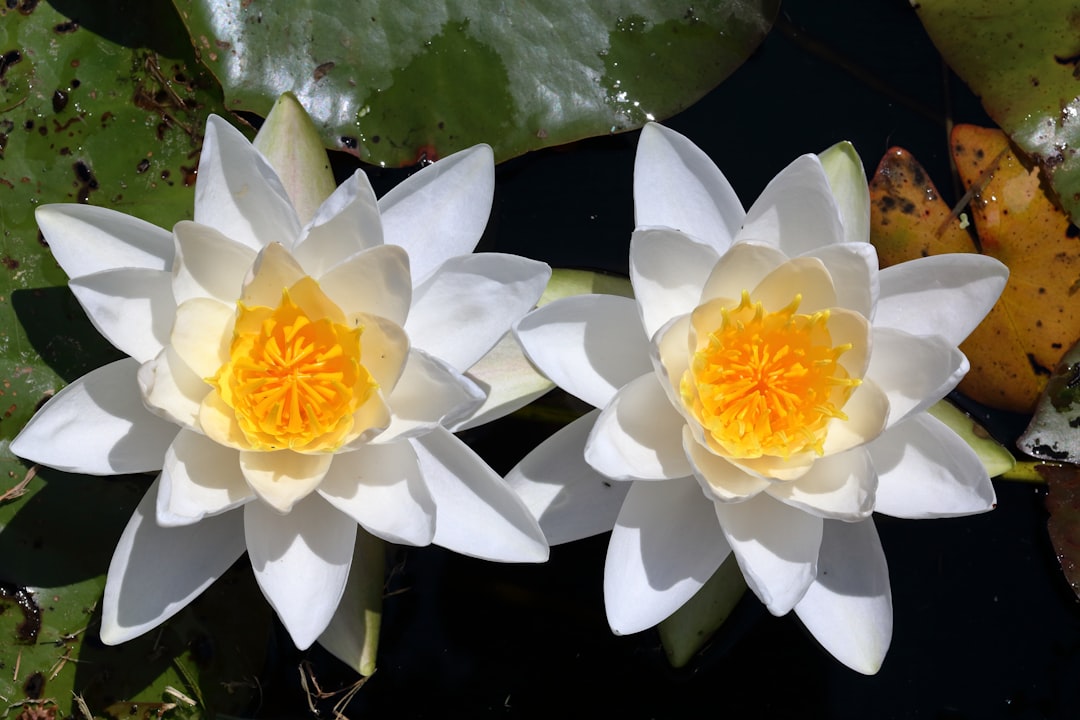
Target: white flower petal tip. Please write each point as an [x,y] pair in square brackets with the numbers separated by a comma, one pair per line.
[570,500]
[848,607]
[86,239]
[847,179]
[477,514]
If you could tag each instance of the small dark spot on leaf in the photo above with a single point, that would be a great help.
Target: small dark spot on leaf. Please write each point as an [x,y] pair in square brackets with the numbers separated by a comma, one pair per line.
[75,83]
[28,125]
[34,687]
[8,59]
[66,27]
[322,69]
[349,142]
[143,166]
[43,131]
[9,262]
[59,100]
[375,139]
[26,6]
[1037,367]
[28,629]
[442,125]
[1072,231]
[190,174]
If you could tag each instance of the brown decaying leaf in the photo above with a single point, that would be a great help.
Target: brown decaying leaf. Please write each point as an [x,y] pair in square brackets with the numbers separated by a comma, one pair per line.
[1038,315]
[1063,504]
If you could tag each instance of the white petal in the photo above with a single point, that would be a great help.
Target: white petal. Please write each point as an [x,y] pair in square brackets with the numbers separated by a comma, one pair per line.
[508,381]
[722,480]
[741,268]
[208,264]
[171,389]
[477,514]
[848,607]
[238,193]
[639,435]
[200,478]
[668,271]
[202,334]
[86,239]
[97,425]
[926,471]
[353,633]
[915,371]
[676,185]
[428,394]
[441,211]
[665,545]
[380,487]
[854,270]
[283,478]
[384,349]
[847,180]
[570,499]
[346,223]
[590,345]
[945,295]
[867,410]
[796,211]
[777,548]
[375,281]
[155,572]
[131,307]
[840,487]
[470,302]
[273,270]
[301,561]
[805,276]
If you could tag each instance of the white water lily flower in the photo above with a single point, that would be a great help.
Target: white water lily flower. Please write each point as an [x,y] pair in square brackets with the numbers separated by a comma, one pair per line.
[763,395]
[293,371]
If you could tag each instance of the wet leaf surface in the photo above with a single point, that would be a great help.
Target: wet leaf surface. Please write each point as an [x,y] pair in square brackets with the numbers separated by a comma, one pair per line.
[1024,62]
[1038,315]
[1054,431]
[399,82]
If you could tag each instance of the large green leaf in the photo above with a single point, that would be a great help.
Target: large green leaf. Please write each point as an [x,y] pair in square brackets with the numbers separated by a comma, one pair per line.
[1022,60]
[397,81]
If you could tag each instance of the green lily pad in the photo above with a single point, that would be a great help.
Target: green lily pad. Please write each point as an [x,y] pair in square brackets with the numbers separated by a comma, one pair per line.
[1022,61]
[399,82]
[55,543]
[689,628]
[994,456]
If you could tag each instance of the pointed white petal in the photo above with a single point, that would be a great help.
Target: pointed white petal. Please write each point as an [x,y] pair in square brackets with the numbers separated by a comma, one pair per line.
[346,223]
[741,268]
[847,180]
[273,270]
[665,545]
[639,435]
[668,271]
[97,425]
[867,410]
[945,295]
[301,561]
[375,281]
[796,211]
[441,211]
[202,334]
[353,633]
[131,307]
[239,194]
[915,371]
[507,379]
[477,514]
[854,270]
[200,478]
[848,607]
[155,572]
[86,239]
[804,276]
[840,487]
[589,345]
[777,548]
[380,487]
[208,264]
[283,478]
[676,185]
[926,471]
[570,499]
[384,349]
[470,302]
[428,394]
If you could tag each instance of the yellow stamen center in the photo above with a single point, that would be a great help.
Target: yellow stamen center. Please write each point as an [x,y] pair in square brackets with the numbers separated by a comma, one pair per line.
[767,383]
[292,380]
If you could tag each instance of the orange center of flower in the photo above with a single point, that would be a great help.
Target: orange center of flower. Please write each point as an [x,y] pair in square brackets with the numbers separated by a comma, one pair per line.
[293,381]
[767,383]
